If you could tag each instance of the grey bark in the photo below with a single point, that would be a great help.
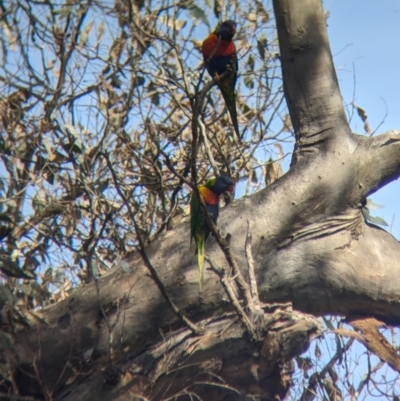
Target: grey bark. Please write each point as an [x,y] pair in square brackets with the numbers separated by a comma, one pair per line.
[311,247]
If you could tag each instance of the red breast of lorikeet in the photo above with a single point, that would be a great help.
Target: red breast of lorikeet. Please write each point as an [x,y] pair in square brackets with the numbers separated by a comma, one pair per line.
[219,53]
[211,192]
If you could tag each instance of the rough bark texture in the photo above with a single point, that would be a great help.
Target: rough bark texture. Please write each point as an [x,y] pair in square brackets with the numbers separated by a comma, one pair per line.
[221,364]
[311,247]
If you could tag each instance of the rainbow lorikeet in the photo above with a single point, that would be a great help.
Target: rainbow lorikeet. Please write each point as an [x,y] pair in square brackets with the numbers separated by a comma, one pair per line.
[199,230]
[219,53]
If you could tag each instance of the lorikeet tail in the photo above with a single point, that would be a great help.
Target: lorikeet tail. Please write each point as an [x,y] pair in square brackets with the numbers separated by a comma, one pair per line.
[229,97]
[200,259]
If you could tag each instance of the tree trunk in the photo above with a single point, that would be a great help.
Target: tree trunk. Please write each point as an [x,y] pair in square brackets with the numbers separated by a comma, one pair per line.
[118,339]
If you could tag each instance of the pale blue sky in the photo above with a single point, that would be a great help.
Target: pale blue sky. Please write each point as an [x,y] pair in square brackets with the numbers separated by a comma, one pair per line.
[366,34]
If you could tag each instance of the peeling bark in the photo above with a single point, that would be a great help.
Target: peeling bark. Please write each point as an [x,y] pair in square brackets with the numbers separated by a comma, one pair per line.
[222,364]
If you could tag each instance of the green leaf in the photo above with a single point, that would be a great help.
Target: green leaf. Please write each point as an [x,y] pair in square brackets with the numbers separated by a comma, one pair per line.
[48,275]
[254,179]
[74,146]
[378,220]
[249,81]
[5,217]
[63,12]
[116,82]
[103,185]
[373,219]
[371,205]
[155,96]
[217,9]
[21,149]
[198,13]
[50,174]
[173,23]
[31,263]
[211,100]
[38,204]
[139,81]
[40,163]
[11,269]
[251,62]
[83,38]
[72,130]
[261,11]
[317,351]
[364,118]
[366,213]
[273,171]
[155,99]
[261,48]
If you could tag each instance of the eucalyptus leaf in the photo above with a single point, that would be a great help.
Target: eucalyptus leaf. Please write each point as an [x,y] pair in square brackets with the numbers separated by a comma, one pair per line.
[373,219]
[11,269]
[198,13]
[371,205]
[249,81]
[261,49]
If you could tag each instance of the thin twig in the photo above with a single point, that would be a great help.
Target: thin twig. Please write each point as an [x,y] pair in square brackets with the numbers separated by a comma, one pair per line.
[224,245]
[226,283]
[250,265]
[207,147]
[194,328]
[255,310]
[141,249]
[310,392]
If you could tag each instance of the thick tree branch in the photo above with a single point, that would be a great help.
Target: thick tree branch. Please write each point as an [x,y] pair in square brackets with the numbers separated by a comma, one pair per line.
[342,273]
[311,86]
[179,362]
[382,162]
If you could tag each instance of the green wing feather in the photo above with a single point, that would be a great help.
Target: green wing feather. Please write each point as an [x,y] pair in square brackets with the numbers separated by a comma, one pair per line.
[227,87]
